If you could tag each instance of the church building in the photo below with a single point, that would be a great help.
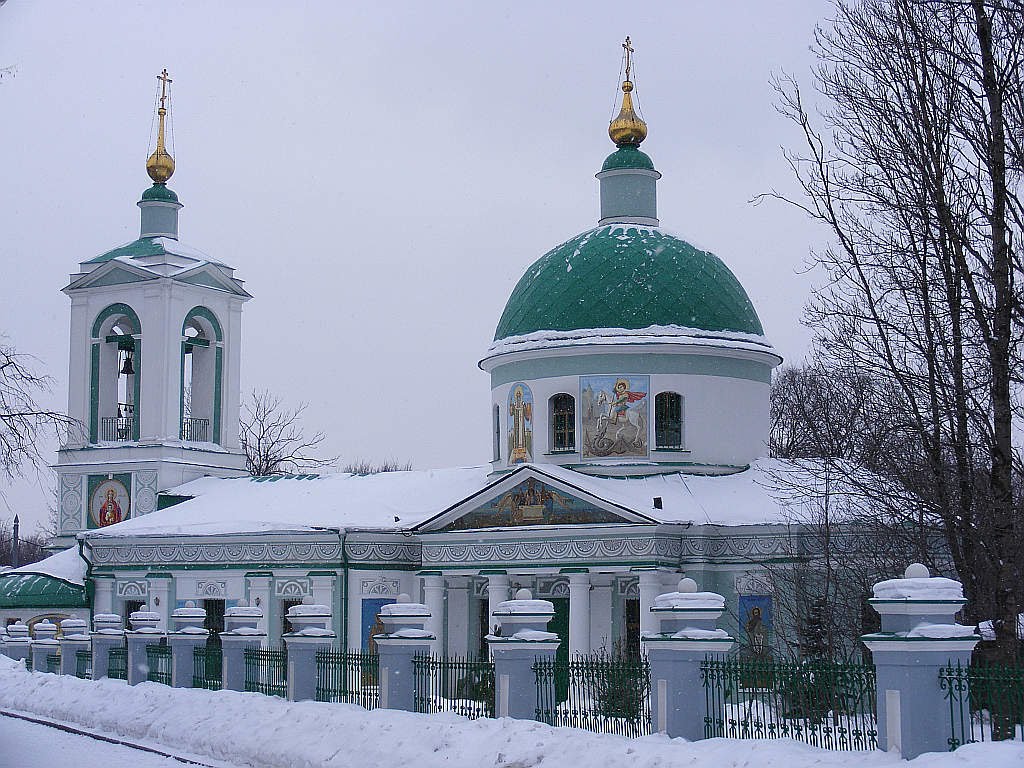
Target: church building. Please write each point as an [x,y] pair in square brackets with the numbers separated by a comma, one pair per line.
[629,379]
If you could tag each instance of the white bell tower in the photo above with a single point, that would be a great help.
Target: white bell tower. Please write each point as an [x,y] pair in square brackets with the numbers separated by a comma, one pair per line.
[154,368]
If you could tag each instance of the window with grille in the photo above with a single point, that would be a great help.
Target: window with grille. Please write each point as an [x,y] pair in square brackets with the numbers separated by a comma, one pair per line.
[563,423]
[668,420]
[497,433]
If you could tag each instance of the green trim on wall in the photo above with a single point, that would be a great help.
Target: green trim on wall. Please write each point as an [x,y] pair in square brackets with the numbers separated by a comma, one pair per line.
[181,392]
[137,419]
[218,370]
[94,393]
[660,363]
[218,381]
[206,314]
[116,309]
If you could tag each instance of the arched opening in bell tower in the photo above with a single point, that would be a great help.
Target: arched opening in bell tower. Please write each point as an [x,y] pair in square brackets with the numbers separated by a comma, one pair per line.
[202,363]
[116,375]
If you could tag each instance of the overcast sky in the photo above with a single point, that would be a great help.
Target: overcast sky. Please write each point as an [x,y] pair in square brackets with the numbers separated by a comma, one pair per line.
[381,174]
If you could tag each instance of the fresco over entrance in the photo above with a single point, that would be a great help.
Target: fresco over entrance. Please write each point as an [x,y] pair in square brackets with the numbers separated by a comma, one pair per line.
[520,424]
[533,503]
[109,499]
[614,415]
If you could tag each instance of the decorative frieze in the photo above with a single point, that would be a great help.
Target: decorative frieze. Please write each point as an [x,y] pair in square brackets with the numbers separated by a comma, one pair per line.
[71,503]
[291,587]
[216,553]
[211,589]
[130,590]
[145,492]
[383,587]
[384,552]
[658,548]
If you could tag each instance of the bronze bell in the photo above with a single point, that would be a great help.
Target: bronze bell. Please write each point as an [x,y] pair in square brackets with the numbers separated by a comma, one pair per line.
[128,369]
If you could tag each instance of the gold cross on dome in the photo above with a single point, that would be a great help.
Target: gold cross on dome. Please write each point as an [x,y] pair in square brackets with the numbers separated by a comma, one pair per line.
[165,81]
[628,48]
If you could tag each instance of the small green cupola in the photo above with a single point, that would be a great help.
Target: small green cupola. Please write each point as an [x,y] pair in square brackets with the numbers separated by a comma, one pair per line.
[159,204]
[628,177]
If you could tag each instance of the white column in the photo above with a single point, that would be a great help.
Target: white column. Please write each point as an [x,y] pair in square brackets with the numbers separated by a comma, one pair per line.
[579,613]
[459,591]
[160,600]
[601,611]
[497,592]
[259,597]
[433,596]
[650,588]
[103,602]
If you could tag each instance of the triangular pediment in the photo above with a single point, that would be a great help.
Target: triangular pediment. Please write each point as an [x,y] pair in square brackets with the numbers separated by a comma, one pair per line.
[529,497]
[112,273]
[210,276]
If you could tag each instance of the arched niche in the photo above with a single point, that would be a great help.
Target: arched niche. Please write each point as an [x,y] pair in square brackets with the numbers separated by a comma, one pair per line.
[202,372]
[115,375]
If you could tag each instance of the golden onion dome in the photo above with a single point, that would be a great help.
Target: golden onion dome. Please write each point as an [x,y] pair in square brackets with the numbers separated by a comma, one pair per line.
[160,166]
[628,128]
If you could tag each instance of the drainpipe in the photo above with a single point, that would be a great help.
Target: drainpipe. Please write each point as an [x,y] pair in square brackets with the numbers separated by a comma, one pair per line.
[340,532]
[90,587]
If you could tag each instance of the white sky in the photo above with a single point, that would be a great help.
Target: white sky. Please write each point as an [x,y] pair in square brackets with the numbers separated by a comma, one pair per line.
[381,174]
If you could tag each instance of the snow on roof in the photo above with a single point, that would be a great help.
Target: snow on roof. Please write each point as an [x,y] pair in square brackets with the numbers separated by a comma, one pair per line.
[67,565]
[305,503]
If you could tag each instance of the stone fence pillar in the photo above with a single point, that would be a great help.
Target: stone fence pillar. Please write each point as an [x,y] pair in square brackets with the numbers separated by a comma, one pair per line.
[189,633]
[524,639]
[106,634]
[240,632]
[74,638]
[404,638]
[312,625]
[44,643]
[144,632]
[918,637]
[687,632]
[18,642]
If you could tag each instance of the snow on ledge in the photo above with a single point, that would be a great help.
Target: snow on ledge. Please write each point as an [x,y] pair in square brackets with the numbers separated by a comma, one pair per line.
[692,600]
[693,633]
[513,607]
[940,631]
[926,588]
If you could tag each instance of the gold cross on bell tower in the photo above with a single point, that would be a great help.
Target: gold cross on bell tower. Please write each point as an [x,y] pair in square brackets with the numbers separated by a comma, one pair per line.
[165,80]
[626,46]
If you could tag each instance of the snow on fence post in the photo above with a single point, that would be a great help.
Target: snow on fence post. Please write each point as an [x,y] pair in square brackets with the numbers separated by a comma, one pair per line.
[189,633]
[404,638]
[44,643]
[312,631]
[687,633]
[524,640]
[74,638]
[144,632]
[18,642]
[918,637]
[106,634]
[241,630]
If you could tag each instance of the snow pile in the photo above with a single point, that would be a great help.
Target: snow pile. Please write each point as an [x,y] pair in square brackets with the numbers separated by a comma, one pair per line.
[988,632]
[404,609]
[691,600]
[268,732]
[527,606]
[940,631]
[693,633]
[66,566]
[933,588]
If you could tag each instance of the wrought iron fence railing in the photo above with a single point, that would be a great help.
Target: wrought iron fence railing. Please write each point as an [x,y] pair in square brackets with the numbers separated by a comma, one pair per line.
[463,685]
[827,704]
[266,670]
[986,702]
[352,677]
[53,663]
[598,692]
[207,667]
[83,664]
[195,430]
[117,663]
[115,429]
[158,658]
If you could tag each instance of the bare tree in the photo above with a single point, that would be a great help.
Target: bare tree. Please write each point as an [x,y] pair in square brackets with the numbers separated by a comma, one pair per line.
[24,424]
[366,467]
[31,548]
[274,439]
[915,170]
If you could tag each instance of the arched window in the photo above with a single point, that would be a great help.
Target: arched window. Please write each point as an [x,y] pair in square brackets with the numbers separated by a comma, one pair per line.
[202,362]
[563,423]
[116,375]
[668,420]
[497,433]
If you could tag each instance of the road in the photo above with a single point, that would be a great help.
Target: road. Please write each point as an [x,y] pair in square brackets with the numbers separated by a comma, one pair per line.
[30,745]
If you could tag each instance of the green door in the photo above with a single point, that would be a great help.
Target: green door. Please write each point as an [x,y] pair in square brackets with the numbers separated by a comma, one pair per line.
[560,626]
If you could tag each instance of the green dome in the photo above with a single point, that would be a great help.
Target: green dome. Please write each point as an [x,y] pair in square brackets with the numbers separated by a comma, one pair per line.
[160,192]
[627,156]
[627,276]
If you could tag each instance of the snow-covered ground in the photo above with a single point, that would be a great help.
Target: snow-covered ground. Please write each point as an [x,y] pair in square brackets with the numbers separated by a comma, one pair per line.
[250,729]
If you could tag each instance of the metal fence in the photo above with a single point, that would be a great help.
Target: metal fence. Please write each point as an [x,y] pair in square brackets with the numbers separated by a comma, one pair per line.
[352,677]
[195,429]
[117,663]
[601,693]
[266,670]
[463,685]
[207,667]
[158,658]
[822,703]
[53,663]
[83,664]
[986,702]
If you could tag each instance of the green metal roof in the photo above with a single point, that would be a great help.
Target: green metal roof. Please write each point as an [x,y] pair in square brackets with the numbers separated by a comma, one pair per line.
[627,276]
[144,246]
[627,156]
[160,192]
[33,590]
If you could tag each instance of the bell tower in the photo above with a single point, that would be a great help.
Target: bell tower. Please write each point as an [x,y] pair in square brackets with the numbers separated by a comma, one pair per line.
[154,366]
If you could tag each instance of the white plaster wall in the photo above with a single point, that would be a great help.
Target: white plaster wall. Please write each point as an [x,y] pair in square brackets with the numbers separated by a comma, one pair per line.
[725,420]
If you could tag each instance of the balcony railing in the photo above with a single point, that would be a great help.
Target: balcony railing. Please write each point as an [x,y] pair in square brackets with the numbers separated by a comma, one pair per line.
[195,430]
[116,428]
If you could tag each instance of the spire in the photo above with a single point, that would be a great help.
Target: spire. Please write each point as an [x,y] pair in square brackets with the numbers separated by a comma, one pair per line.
[627,129]
[160,165]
